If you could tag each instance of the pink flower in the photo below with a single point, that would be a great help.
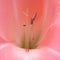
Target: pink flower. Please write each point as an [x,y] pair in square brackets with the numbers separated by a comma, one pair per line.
[29,30]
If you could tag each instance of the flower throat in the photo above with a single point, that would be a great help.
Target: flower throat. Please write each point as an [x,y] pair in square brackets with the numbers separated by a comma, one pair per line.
[28,39]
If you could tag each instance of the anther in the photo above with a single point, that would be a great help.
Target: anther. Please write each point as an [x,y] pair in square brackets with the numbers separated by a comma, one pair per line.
[24,25]
[33,18]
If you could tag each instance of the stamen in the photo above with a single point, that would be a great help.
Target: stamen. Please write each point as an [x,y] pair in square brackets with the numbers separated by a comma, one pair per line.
[26,37]
[29,39]
[33,18]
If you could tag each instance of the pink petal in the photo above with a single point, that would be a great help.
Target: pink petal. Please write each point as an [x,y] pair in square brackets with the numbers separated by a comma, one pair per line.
[10,52]
[51,37]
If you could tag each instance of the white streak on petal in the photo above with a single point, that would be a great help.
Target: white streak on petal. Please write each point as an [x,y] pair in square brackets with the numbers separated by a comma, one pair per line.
[3,46]
[54,51]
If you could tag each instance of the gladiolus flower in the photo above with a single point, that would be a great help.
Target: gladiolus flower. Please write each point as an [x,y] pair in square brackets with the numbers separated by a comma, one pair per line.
[29,30]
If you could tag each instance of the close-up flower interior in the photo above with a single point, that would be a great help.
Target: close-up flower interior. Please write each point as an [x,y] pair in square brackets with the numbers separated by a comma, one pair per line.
[29,29]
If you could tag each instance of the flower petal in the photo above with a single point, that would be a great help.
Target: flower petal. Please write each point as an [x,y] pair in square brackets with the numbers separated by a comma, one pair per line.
[10,52]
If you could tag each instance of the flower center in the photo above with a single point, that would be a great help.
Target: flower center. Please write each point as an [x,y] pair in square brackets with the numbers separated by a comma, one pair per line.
[30,39]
